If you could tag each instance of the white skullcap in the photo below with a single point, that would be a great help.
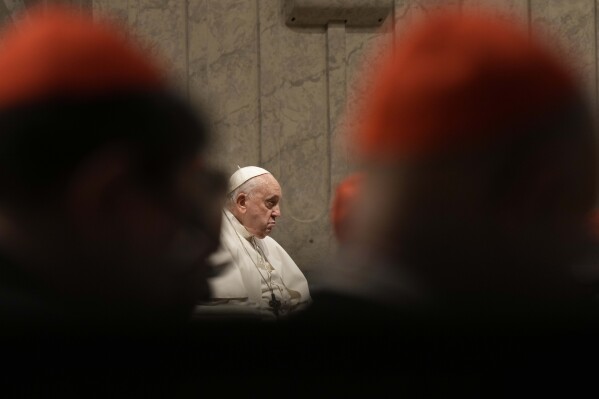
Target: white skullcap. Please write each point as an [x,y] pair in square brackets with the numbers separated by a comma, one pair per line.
[244,174]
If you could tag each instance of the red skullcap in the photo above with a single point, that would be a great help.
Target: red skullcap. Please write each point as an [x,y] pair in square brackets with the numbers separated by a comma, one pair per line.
[458,79]
[58,51]
[345,196]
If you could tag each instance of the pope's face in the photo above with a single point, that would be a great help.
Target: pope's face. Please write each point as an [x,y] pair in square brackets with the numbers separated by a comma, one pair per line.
[262,207]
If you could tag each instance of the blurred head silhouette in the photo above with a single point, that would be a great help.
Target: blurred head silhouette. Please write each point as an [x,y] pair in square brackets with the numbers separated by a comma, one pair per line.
[345,206]
[104,197]
[479,144]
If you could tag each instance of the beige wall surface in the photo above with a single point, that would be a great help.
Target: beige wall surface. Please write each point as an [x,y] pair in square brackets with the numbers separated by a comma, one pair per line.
[280,95]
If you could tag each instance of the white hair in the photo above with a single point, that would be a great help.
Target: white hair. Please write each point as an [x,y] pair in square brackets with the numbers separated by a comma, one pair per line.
[246,188]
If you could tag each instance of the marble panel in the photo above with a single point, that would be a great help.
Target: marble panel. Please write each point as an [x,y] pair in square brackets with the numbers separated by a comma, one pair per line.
[162,27]
[513,9]
[569,26]
[337,100]
[295,131]
[408,12]
[81,4]
[117,9]
[86,5]
[5,14]
[13,8]
[366,48]
[223,77]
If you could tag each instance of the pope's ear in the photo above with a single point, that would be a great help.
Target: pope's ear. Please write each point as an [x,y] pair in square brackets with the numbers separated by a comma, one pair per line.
[240,201]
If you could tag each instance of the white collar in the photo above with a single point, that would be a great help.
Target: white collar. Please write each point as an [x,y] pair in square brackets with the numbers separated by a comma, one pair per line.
[239,228]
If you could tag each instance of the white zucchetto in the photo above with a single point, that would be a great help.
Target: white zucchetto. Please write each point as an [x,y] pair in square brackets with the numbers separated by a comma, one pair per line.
[244,174]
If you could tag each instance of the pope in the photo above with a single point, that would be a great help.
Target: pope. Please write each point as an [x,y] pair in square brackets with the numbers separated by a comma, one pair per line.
[258,275]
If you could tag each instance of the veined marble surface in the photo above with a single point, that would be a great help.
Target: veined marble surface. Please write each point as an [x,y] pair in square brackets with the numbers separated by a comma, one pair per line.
[285,97]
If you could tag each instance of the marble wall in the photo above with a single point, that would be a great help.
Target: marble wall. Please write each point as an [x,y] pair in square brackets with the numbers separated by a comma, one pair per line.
[280,93]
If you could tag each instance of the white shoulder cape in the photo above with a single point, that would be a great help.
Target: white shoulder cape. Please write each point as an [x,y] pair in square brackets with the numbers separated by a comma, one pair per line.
[240,279]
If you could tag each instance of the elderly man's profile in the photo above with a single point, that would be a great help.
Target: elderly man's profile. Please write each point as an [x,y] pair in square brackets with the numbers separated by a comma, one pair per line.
[259,277]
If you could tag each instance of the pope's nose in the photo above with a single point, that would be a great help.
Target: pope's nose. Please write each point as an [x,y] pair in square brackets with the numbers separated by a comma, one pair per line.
[276,212]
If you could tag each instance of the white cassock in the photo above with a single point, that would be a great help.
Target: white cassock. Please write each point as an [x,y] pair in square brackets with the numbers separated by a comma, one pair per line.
[256,269]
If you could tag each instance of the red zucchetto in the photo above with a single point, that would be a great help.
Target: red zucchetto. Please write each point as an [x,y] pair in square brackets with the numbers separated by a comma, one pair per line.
[345,198]
[58,51]
[458,79]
